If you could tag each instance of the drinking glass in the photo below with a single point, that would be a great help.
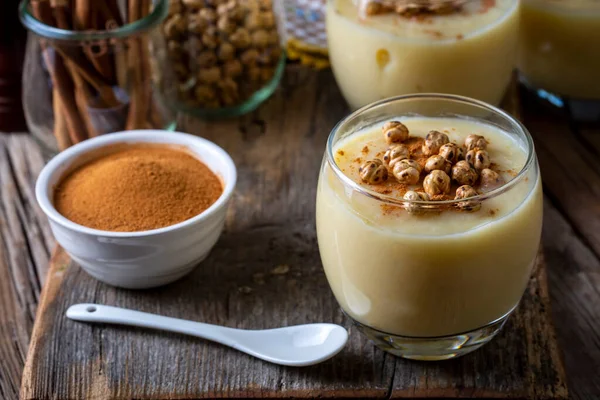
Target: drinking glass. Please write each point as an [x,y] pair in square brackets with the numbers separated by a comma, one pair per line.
[471,51]
[79,84]
[435,285]
[559,57]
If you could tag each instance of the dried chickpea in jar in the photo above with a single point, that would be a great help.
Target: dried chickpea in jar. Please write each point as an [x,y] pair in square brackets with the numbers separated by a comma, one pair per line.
[219,52]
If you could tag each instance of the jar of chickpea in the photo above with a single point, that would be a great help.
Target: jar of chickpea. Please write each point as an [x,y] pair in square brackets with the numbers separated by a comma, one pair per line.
[219,58]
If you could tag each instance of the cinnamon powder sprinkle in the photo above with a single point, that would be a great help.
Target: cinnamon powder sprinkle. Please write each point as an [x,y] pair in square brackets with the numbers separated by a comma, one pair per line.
[434,33]
[487,5]
[365,150]
[137,187]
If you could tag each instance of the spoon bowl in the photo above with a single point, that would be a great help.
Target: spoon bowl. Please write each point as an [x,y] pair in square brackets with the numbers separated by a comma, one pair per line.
[299,345]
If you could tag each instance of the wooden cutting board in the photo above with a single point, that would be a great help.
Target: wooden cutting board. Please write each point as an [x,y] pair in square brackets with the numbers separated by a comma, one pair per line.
[266,272]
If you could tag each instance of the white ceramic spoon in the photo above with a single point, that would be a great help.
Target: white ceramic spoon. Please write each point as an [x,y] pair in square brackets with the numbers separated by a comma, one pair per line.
[298,346]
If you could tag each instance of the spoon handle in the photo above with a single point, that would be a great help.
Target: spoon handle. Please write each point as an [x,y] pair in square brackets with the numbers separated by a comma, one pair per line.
[88,312]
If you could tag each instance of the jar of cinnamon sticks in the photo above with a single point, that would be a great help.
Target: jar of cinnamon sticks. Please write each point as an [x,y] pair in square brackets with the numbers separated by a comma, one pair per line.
[88,68]
[223,57]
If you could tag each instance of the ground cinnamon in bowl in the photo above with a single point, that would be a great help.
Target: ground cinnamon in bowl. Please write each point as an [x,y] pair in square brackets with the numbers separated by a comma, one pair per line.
[137,187]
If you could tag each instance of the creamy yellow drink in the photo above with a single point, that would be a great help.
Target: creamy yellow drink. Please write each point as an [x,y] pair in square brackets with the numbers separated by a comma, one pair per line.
[428,273]
[560,46]
[471,52]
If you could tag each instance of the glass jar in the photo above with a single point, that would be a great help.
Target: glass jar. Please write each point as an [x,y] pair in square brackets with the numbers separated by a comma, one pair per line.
[560,49]
[80,84]
[383,48]
[223,58]
[429,279]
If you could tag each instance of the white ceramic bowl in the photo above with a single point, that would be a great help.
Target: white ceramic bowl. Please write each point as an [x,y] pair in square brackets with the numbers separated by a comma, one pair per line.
[143,259]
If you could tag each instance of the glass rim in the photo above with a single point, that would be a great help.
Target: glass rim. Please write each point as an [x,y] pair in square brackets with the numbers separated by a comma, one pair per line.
[421,3]
[156,16]
[424,3]
[432,204]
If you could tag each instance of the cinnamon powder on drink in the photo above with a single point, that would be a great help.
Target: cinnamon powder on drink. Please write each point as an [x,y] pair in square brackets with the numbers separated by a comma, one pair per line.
[136,188]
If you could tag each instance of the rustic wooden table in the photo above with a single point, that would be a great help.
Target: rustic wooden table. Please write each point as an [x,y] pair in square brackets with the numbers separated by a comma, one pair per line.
[568,154]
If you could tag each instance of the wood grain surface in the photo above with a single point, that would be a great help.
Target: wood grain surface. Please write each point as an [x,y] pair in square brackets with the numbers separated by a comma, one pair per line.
[278,150]
[270,237]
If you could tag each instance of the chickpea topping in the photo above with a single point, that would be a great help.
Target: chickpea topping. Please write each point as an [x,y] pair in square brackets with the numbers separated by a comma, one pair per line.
[395,153]
[407,163]
[240,38]
[433,142]
[174,26]
[475,142]
[254,20]
[374,8]
[207,58]
[465,192]
[437,162]
[411,195]
[490,180]
[253,73]
[208,14]
[226,51]
[193,3]
[479,159]
[231,46]
[452,152]
[249,57]
[209,75]
[407,171]
[205,93]
[395,132]
[210,38]
[266,74]
[268,19]
[437,182]
[196,24]
[463,174]
[225,25]
[175,7]
[229,91]
[373,172]
[260,38]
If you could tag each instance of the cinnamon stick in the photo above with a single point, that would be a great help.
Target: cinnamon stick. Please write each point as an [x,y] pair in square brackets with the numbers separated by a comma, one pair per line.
[145,69]
[155,115]
[136,117]
[42,11]
[66,89]
[108,11]
[61,132]
[82,18]
[86,17]
[113,6]
[65,107]
[61,13]
[83,101]
[78,63]
[98,53]
[102,61]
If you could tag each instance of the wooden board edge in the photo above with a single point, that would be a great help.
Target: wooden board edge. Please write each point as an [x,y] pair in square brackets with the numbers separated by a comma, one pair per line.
[541,274]
[512,105]
[58,265]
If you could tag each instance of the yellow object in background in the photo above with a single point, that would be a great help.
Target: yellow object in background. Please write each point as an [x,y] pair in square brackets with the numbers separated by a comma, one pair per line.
[306,40]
